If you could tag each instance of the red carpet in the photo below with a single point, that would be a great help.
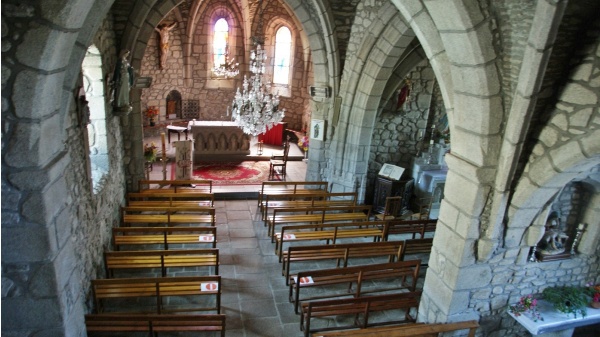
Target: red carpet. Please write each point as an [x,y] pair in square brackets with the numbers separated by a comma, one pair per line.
[224,173]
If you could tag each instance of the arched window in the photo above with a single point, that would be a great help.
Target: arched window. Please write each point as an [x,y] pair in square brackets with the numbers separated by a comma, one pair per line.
[220,44]
[283,50]
[93,86]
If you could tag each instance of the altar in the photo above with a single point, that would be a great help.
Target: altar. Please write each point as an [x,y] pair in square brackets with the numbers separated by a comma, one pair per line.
[214,140]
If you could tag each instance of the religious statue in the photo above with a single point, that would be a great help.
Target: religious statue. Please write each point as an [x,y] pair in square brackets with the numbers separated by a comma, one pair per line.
[555,239]
[123,81]
[164,32]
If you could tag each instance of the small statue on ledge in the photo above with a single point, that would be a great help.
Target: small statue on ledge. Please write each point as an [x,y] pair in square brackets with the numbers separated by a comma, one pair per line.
[555,239]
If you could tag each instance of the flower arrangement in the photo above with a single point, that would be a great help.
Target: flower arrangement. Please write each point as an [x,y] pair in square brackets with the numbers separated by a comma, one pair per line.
[150,152]
[527,304]
[151,112]
[303,143]
[594,292]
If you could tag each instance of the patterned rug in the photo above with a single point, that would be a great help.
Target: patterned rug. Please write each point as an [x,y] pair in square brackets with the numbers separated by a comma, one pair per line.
[225,173]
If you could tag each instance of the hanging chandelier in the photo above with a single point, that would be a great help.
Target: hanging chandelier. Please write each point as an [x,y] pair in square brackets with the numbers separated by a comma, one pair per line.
[255,109]
[228,69]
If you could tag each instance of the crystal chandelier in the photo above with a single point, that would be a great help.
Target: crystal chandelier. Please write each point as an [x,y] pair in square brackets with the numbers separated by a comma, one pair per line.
[228,69]
[255,109]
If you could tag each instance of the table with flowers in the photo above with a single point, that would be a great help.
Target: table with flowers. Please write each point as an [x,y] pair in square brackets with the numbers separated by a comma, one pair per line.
[551,322]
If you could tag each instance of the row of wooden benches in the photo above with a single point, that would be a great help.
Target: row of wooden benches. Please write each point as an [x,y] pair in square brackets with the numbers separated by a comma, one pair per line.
[163,298]
[313,216]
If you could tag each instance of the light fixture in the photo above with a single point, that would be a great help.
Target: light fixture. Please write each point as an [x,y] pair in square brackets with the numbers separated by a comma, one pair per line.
[228,69]
[255,109]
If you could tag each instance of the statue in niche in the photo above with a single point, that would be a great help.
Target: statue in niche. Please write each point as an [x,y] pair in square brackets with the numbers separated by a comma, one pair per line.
[164,33]
[123,81]
[555,239]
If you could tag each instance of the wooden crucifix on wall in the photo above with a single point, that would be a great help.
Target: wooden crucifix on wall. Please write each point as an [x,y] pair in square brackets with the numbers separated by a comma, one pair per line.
[164,32]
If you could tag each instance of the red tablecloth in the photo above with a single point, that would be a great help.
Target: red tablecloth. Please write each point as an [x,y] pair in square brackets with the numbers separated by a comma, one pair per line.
[273,136]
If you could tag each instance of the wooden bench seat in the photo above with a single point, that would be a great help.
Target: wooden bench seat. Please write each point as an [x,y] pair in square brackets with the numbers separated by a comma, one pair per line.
[306,200]
[162,259]
[316,215]
[167,294]
[417,248]
[175,186]
[412,227]
[395,272]
[290,187]
[167,215]
[167,199]
[356,306]
[340,252]
[164,236]
[407,330]
[330,232]
[103,324]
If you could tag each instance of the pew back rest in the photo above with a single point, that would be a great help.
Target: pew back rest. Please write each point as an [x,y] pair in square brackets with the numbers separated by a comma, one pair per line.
[185,186]
[159,288]
[414,227]
[293,187]
[407,330]
[359,305]
[330,232]
[101,324]
[163,236]
[340,252]
[162,259]
[324,278]
[171,199]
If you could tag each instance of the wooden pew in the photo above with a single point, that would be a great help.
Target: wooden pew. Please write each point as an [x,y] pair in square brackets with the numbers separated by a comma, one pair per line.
[316,215]
[175,186]
[340,252]
[418,248]
[103,324]
[164,291]
[412,227]
[168,199]
[290,187]
[306,200]
[324,279]
[161,259]
[329,232]
[356,306]
[163,236]
[407,330]
[167,215]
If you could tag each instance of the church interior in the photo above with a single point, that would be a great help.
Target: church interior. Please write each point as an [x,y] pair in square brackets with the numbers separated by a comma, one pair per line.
[481,115]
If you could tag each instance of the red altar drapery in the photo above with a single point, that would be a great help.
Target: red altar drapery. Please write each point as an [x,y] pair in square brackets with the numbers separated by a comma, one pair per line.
[273,136]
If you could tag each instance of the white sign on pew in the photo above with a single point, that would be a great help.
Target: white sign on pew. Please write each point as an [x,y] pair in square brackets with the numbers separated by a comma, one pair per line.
[304,280]
[209,286]
[206,238]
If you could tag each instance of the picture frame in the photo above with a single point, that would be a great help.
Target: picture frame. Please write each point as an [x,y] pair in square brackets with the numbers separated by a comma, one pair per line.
[317,129]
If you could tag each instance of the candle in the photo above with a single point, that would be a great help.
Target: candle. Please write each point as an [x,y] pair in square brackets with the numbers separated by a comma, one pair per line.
[431,142]
[433,126]
[581,226]
[164,146]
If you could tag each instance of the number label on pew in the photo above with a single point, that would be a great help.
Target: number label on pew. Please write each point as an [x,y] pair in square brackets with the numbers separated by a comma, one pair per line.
[206,238]
[209,286]
[289,237]
[304,280]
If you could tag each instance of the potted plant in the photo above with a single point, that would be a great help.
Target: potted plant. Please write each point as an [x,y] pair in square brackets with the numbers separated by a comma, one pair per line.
[151,113]
[569,300]
[303,144]
[150,152]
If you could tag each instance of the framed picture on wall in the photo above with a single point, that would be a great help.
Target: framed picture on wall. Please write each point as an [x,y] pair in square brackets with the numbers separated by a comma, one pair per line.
[317,129]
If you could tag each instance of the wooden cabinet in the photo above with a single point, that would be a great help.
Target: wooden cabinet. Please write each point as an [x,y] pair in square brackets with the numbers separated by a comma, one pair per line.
[385,187]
